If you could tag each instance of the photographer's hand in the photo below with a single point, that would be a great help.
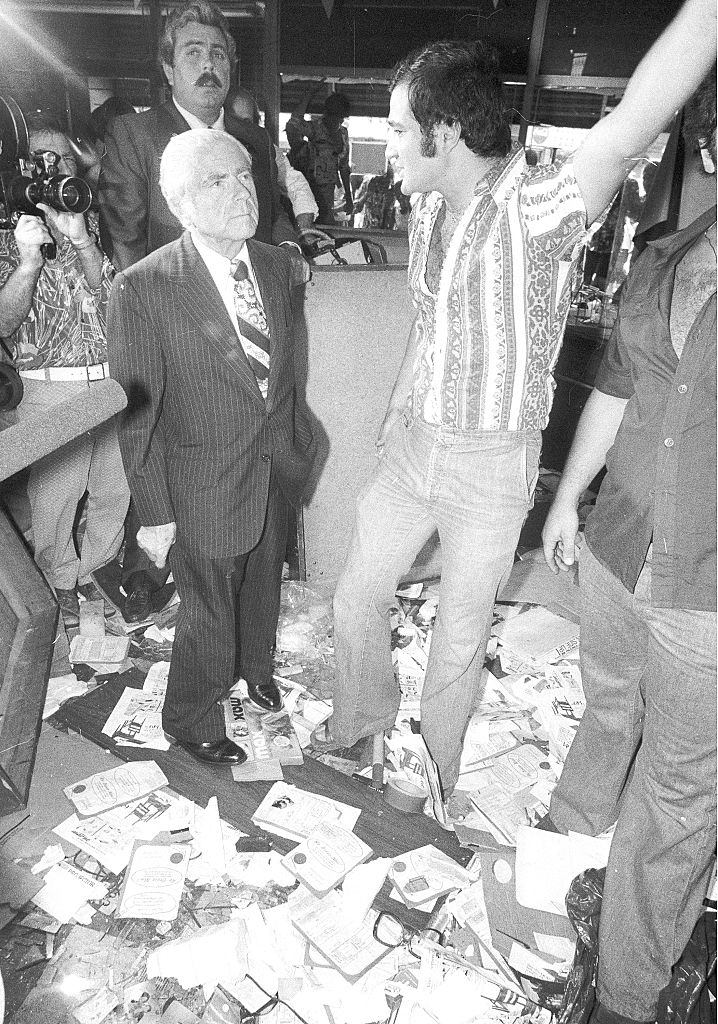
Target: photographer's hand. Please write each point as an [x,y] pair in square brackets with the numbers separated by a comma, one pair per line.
[71,225]
[30,234]
[74,227]
[17,293]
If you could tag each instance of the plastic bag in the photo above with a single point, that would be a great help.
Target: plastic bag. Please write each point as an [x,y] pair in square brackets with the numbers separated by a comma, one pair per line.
[686,999]
[583,905]
[305,638]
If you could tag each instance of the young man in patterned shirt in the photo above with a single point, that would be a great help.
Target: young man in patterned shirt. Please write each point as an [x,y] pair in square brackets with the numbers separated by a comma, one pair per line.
[493,245]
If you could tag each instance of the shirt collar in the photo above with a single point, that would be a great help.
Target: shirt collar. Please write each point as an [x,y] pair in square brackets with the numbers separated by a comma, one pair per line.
[195,122]
[217,264]
[503,173]
[500,180]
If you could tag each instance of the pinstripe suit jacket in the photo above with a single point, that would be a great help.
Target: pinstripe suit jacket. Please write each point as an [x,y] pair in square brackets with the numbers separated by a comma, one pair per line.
[198,440]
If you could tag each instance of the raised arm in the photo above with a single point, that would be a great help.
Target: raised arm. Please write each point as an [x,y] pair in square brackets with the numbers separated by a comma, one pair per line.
[664,80]
[301,107]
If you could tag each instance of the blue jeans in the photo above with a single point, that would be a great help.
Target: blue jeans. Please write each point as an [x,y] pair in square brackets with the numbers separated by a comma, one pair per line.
[476,488]
[644,756]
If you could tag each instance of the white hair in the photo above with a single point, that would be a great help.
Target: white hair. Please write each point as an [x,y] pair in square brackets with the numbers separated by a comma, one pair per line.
[184,155]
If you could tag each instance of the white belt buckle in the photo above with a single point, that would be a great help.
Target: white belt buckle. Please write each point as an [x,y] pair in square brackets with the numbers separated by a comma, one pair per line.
[96,372]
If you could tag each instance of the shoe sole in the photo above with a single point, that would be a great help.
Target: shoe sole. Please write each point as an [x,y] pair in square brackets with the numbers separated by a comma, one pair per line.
[208,761]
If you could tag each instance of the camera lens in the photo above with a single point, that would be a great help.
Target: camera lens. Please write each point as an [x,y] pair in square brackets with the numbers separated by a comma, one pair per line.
[69,194]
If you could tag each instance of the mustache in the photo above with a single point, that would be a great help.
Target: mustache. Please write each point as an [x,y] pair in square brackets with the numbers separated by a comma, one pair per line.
[208,78]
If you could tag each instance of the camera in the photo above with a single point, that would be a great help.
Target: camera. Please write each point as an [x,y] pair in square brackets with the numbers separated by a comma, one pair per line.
[27,179]
[46,185]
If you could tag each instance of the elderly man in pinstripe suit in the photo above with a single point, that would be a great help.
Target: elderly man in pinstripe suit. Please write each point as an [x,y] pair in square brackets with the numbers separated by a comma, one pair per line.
[214,442]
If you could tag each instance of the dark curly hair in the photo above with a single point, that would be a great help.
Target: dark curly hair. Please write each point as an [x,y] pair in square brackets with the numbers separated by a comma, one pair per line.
[337,105]
[454,81]
[203,13]
[699,119]
[102,117]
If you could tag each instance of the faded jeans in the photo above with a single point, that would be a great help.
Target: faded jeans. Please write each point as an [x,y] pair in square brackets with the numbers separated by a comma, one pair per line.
[475,488]
[645,754]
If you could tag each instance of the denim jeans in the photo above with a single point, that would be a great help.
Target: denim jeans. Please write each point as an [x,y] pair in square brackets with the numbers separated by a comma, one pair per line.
[644,755]
[474,487]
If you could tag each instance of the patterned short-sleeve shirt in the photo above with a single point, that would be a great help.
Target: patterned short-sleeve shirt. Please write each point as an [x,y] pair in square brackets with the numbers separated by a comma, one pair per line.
[492,310]
[66,324]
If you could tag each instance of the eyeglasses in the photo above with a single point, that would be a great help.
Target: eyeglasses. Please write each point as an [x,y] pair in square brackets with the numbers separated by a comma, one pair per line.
[43,154]
[255,1016]
[389,931]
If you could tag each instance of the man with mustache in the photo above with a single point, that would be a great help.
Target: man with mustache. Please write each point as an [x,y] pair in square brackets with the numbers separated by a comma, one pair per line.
[197,53]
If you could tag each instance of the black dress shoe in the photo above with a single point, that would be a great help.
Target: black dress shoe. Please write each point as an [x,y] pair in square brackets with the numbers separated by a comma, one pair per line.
[266,696]
[216,752]
[91,592]
[138,603]
[69,607]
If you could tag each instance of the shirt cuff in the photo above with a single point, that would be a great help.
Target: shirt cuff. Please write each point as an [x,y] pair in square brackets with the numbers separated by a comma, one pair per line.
[294,245]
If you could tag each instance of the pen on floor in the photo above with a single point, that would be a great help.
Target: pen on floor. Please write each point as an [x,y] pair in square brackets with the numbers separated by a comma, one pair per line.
[514,939]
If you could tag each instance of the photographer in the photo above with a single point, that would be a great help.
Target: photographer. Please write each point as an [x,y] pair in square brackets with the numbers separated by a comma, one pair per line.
[52,318]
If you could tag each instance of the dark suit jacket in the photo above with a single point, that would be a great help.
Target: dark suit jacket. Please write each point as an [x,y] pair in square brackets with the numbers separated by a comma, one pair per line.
[198,441]
[134,217]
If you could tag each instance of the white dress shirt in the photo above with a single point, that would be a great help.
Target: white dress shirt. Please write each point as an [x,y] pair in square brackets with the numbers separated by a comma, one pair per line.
[194,122]
[220,269]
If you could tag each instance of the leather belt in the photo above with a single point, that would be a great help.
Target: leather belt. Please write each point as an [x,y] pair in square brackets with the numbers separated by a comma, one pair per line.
[98,371]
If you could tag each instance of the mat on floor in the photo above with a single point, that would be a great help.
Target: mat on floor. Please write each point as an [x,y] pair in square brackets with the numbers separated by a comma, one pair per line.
[389,832]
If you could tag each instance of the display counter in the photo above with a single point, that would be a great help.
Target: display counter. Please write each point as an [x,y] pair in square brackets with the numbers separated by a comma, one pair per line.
[356,324]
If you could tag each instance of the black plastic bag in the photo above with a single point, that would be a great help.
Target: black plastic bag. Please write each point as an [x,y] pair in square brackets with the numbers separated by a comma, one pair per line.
[686,998]
[583,905]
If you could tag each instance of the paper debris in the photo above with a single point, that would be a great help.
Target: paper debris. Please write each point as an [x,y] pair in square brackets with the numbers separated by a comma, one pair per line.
[105,649]
[214,955]
[97,1008]
[424,874]
[352,950]
[295,813]
[326,856]
[136,720]
[538,635]
[116,786]
[52,855]
[547,863]
[154,881]
[110,836]
[360,888]
[66,890]
[60,689]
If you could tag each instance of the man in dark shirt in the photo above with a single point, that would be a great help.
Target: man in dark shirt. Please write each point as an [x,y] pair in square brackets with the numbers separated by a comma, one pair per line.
[645,752]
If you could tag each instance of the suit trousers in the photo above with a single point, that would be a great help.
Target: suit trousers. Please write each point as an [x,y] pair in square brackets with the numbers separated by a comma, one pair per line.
[644,754]
[475,488]
[56,484]
[226,625]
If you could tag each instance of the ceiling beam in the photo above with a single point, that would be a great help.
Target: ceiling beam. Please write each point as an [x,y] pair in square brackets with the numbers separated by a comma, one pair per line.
[241,9]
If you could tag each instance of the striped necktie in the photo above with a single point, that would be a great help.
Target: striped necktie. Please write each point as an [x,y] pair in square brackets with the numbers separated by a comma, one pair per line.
[252,324]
